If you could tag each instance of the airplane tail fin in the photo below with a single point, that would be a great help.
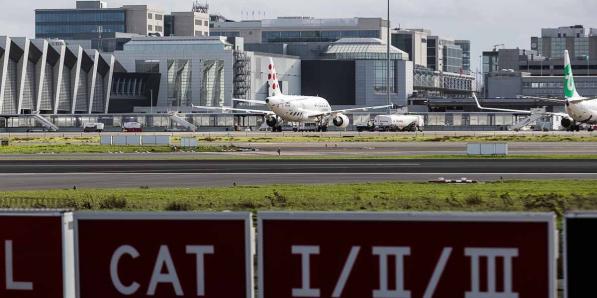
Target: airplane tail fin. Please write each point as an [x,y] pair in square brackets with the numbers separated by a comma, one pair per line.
[569,86]
[272,78]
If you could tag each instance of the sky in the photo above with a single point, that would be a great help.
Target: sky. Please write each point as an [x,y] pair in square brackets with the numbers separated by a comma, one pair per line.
[484,22]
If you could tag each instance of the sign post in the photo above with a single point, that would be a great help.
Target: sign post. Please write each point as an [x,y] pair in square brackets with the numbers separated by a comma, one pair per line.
[164,255]
[36,254]
[580,258]
[427,255]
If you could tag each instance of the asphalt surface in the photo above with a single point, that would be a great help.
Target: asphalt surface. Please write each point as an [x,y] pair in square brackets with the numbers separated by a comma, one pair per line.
[31,174]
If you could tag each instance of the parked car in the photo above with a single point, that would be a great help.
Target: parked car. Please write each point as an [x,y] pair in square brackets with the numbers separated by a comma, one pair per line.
[132,127]
[93,127]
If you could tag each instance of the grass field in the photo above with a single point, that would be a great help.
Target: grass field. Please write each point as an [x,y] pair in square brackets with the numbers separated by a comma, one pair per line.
[90,140]
[557,196]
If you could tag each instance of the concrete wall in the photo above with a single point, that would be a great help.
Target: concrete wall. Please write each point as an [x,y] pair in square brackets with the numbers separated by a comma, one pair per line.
[138,21]
[191,24]
[504,86]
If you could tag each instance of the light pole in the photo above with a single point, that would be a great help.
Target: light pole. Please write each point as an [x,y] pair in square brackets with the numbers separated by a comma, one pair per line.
[542,67]
[151,101]
[481,75]
[389,34]
[100,30]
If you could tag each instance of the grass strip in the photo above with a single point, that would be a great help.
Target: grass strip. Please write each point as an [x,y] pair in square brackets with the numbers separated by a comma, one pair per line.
[558,196]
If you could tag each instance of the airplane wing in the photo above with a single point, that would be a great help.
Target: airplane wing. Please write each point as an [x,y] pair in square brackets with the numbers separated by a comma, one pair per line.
[560,100]
[348,111]
[362,109]
[261,102]
[515,111]
[234,110]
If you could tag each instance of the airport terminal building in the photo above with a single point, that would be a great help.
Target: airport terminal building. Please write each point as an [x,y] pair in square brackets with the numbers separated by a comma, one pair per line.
[539,71]
[38,76]
[206,71]
[151,64]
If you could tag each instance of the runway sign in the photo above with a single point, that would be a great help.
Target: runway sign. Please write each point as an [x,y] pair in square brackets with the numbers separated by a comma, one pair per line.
[164,255]
[406,255]
[37,256]
[580,254]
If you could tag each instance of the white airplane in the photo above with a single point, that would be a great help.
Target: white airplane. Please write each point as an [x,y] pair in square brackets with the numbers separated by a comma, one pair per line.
[579,110]
[299,109]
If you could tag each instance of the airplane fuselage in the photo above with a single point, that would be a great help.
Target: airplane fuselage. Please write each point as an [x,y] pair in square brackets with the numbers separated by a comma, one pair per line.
[298,108]
[583,111]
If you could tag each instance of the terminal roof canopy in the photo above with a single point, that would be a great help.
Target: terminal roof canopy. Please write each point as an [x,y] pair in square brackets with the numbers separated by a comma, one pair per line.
[363,49]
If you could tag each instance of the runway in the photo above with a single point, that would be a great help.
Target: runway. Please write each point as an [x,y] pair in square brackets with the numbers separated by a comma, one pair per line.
[57,174]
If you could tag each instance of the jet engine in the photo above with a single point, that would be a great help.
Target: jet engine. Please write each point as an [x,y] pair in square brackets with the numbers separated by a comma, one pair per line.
[567,122]
[341,121]
[272,121]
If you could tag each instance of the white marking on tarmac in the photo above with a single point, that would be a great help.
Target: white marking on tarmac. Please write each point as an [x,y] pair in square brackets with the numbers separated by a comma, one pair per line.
[277,164]
[269,174]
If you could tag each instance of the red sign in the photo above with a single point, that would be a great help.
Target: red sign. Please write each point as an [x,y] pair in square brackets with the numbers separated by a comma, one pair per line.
[406,255]
[33,249]
[164,255]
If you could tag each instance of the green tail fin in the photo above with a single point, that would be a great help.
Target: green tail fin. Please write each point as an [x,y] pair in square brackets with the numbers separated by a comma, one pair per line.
[569,86]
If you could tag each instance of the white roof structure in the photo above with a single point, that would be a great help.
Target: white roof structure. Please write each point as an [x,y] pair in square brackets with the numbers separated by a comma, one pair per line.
[363,49]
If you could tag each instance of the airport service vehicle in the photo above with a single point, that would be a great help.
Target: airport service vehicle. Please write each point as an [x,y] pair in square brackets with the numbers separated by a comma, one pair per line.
[298,109]
[93,127]
[132,127]
[394,123]
[580,111]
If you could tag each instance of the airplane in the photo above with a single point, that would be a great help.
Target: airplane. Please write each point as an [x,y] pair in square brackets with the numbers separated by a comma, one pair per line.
[292,108]
[579,109]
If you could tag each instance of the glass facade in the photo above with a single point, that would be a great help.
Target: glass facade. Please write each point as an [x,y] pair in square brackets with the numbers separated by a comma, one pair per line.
[224,33]
[558,45]
[465,45]
[78,24]
[557,85]
[380,84]
[553,47]
[490,62]
[581,47]
[317,36]
[363,51]
[432,53]
[404,42]
[212,89]
[452,58]
[147,66]
[179,82]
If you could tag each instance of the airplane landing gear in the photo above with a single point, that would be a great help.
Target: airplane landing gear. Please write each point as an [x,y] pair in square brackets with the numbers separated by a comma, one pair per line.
[574,127]
[322,128]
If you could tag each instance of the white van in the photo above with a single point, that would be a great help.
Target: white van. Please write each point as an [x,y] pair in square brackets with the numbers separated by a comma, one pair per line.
[93,127]
[132,127]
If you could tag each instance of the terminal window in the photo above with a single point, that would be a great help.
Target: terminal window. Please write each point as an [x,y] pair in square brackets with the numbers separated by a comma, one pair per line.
[212,88]
[380,83]
[179,82]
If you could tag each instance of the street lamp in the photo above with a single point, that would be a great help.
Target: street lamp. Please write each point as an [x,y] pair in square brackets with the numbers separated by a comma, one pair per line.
[100,30]
[389,37]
